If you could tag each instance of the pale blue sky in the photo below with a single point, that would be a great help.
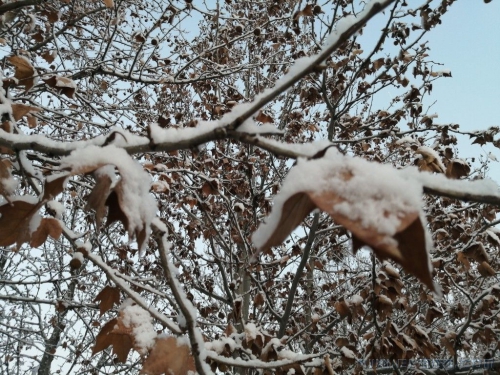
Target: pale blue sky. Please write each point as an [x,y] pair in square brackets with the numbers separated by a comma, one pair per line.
[468,43]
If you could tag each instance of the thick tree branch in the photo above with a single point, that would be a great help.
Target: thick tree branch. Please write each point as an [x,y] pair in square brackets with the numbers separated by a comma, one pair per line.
[16,5]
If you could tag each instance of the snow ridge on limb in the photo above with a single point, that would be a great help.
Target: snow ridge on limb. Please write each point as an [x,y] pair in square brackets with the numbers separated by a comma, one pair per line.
[378,204]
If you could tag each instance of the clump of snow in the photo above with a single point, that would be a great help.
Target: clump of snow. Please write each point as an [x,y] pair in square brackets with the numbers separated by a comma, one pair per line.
[34,223]
[78,256]
[356,300]
[390,270]
[9,185]
[251,127]
[407,139]
[107,171]
[218,346]
[85,245]
[56,208]
[347,353]
[140,321]
[251,331]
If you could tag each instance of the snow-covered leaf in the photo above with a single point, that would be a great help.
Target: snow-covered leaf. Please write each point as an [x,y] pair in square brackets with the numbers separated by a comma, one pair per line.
[25,72]
[169,356]
[380,207]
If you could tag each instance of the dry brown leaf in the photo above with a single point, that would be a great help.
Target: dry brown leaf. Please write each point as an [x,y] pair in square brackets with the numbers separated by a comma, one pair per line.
[49,56]
[377,64]
[448,341]
[48,227]
[258,299]
[5,175]
[115,202]
[341,341]
[463,259]
[430,161]
[295,209]
[122,342]
[407,247]
[139,38]
[209,188]
[115,213]
[20,110]
[342,308]
[457,169]
[485,270]
[307,11]
[65,85]
[432,313]
[97,198]
[54,186]
[32,121]
[25,72]
[108,297]
[477,252]
[264,118]
[14,222]
[109,3]
[169,357]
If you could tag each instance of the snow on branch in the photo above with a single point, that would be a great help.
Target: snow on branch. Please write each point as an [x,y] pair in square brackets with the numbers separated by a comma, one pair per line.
[115,277]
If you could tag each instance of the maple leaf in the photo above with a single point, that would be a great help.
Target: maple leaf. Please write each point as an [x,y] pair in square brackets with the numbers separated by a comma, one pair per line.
[169,356]
[97,198]
[121,342]
[264,118]
[108,297]
[50,56]
[65,85]
[380,209]
[129,202]
[20,110]
[430,161]
[25,72]
[32,121]
[15,222]
[306,12]
[116,212]
[48,227]
[54,185]
[485,269]
[457,169]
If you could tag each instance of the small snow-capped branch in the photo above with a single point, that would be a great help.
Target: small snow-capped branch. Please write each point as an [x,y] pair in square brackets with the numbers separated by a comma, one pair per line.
[433,185]
[257,363]
[113,275]
[463,195]
[68,304]
[185,306]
